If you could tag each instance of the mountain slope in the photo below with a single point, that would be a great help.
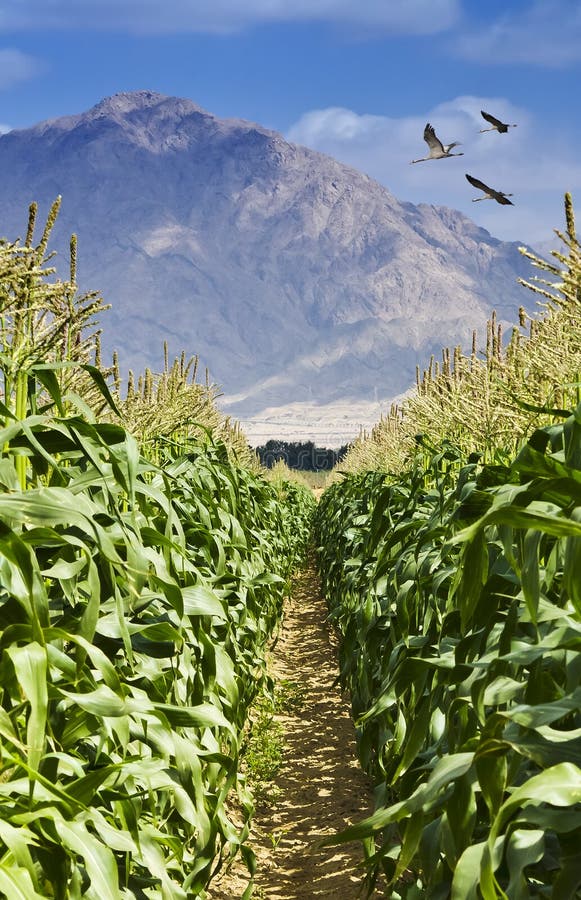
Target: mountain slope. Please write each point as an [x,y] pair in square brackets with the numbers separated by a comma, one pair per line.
[293,276]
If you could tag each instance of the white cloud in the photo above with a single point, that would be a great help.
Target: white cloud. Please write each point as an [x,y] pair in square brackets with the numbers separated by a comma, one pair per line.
[166,16]
[548,33]
[16,66]
[383,147]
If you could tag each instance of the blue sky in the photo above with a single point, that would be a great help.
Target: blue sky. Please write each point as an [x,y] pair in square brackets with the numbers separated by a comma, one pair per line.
[354,78]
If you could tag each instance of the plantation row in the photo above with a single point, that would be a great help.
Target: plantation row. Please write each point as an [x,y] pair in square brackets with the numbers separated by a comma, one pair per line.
[455,583]
[459,607]
[141,579]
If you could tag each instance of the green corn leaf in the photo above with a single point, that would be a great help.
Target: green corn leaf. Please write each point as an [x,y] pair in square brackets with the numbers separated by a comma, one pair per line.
[492,770]
[466,880]
[30,666]
[201,600]
[572,439]
[98,858]
[536,715]
[572,565]
[524,847]
[205,715]
[472,574]
[530,576]
[7,730]
[100,382]
[19,842]
[157,864]
[544,517]
[114,838]
[16,884]
[461,813]
[47,377]
[417,736]
[550,818]
[100,702]
[411,839]
[559,785]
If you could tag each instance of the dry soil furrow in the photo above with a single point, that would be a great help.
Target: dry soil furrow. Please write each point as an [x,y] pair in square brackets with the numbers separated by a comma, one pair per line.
[321,787]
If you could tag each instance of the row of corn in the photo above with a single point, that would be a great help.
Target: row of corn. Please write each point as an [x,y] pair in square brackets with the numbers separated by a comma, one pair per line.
[457,593]
[138,593]
[455,585]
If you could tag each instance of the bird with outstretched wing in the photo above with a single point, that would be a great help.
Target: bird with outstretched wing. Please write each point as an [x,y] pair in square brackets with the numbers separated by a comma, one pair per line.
[491,193]
[497,125]
[438,150]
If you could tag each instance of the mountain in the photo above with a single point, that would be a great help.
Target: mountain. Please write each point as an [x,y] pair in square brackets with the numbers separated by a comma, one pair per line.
[301,283]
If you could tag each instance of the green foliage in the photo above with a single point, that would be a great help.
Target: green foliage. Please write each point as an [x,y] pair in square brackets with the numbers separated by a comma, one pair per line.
[138,593]
[454,582]
[456,592]
[303,456]
[136,604]
[289,696]
[46,332]
[165,410]
[264,753]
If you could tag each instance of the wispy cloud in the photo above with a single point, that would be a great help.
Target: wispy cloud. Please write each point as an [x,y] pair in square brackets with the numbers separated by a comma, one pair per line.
[16,66]
[156,16]
[383,147]
[547,33]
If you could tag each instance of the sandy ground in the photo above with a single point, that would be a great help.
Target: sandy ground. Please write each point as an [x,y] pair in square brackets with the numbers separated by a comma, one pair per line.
[322,789]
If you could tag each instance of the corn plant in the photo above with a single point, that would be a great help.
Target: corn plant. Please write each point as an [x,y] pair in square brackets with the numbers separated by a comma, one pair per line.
[165,410]
[456,592]
[454,582]
[136,606]
[137,600]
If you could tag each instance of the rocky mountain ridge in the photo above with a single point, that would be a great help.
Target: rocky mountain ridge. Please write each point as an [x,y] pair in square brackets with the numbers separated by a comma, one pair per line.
[296,279]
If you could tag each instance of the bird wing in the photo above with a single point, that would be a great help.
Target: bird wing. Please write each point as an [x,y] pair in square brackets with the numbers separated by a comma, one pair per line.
[498,195]
[431,140]
[478,184]
[490,118]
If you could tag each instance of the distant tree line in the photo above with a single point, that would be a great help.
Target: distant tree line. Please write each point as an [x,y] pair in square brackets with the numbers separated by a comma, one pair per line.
[303,455]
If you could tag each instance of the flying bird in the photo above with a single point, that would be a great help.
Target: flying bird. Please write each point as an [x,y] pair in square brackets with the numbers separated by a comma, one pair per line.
[497,125]
[438,150]
[491,194]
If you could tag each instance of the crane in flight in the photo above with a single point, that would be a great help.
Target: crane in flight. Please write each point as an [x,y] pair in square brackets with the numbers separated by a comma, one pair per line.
[438,150]
[491,194]
[497,125]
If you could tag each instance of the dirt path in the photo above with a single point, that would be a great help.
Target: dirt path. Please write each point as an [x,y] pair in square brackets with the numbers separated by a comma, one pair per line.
[320,785]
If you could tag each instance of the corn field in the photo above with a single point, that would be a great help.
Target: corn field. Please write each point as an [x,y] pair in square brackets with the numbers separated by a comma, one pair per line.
[455,585]
[143,564]
[490,399]
[142,575]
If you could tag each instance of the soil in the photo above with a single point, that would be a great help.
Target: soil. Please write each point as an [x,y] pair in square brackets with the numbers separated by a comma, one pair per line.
[320,786]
